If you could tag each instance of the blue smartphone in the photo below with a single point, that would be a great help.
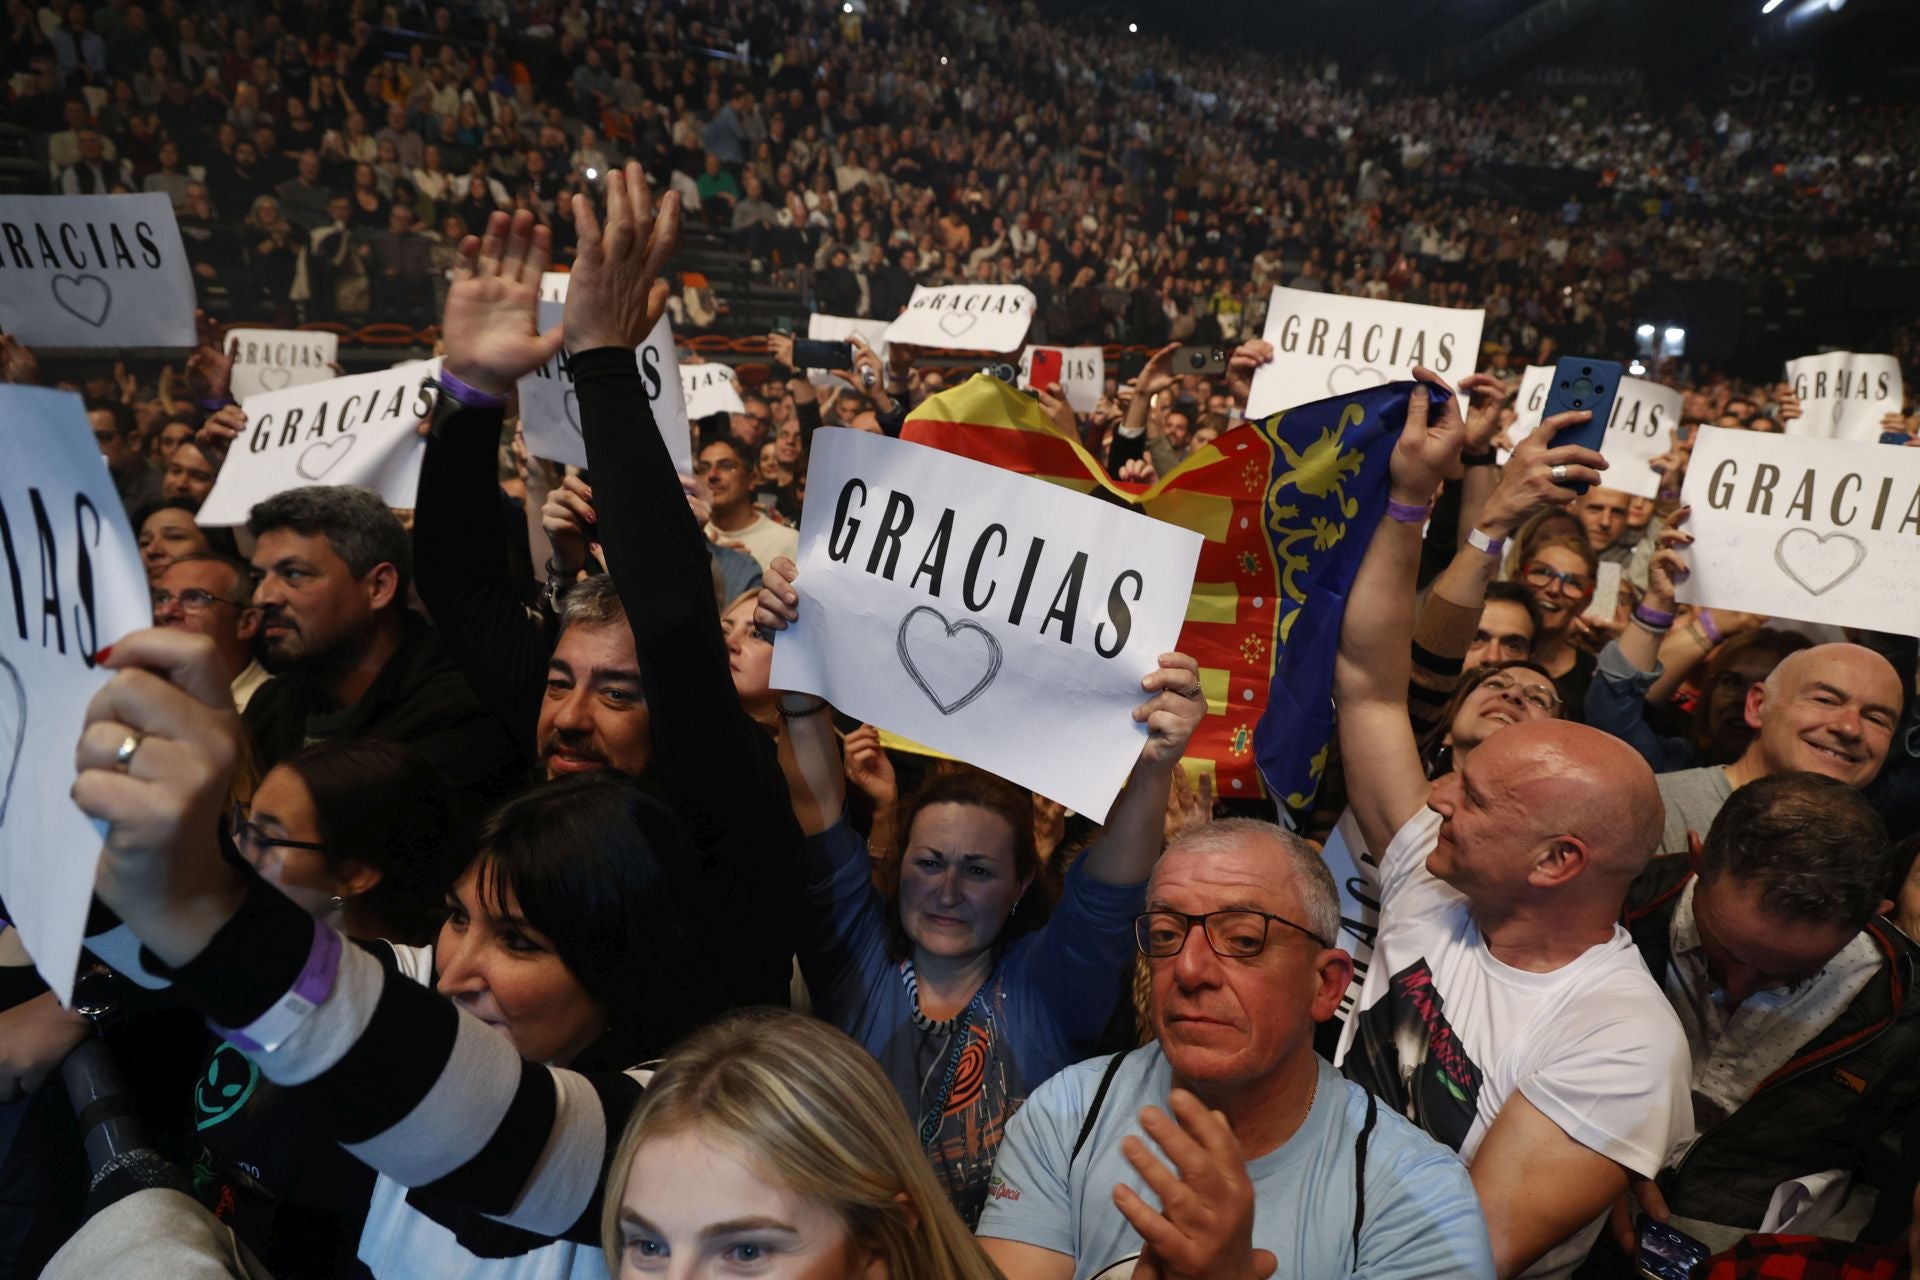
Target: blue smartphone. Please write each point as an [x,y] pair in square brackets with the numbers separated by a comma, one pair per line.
[1583,382]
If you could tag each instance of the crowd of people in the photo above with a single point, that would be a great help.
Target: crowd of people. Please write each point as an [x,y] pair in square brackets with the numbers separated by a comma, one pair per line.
[475,905]
[326,163]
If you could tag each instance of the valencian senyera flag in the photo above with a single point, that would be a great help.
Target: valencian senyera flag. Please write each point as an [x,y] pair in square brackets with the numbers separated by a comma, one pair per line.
[1287,506]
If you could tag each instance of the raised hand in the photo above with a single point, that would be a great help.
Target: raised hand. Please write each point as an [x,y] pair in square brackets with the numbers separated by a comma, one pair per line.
[1188,805]
[779,604]
[1203,1229]
[161,868]
[568,518]
[1053,403]
[1157,375]
[209,368]
[217,434]
[18,365]
[1242,364]
[616,296]
[1428,445]
[1528,482]
[1790,404]
[1137,471]
[1669,566]
[491,322]
[780,349]
[1172,711]
[1485,394]
[868,767]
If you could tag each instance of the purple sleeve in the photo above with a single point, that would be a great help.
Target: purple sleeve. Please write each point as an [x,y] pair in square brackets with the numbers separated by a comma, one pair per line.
[843,933]
[1075,964]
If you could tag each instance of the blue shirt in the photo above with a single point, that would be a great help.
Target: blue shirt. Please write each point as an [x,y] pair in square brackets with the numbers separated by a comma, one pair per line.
[1422,1218]
[1043,1007]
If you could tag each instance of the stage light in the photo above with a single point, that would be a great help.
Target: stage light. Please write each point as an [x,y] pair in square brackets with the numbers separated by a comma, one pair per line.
[1770,6]
[1637,369]
[592,174]
[1133,28]
[1644,332]
[1674,336]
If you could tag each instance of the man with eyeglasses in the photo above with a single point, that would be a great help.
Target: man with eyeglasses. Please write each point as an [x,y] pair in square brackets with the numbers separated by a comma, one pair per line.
[1504,1010]
[212,596]
[728,471]
[1247,1140]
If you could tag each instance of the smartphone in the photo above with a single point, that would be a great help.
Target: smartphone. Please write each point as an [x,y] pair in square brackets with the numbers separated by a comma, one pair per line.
[1125,449]
[1206,362]
[1044,369]
[1667,1254]
[810,354]
[1004,372]
[783,325]
[1130,365]
[1683,433]
[1583,382]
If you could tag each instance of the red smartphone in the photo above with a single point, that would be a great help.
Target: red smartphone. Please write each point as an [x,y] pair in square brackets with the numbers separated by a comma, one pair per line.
[1045,368]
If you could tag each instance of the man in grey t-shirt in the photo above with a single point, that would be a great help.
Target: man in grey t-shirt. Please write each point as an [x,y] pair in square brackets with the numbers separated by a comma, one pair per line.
[1830,710]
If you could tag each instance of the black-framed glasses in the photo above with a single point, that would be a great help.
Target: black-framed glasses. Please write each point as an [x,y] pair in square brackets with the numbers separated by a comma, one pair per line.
[1541,575]
[1536,694]
[1237,935]
[193,600]
[249,836]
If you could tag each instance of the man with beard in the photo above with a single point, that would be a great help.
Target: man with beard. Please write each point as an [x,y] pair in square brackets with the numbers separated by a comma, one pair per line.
[349,659]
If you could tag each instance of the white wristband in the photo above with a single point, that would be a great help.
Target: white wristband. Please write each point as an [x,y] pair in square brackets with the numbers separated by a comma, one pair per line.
[1483,542]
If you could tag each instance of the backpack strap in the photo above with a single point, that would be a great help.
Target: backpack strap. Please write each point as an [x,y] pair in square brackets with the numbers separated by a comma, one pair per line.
[1360,1172]
[1099,1097]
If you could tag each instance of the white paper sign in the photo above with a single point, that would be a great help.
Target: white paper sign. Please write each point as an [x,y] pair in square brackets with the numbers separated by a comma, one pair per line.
[708,388]
[984,614]
[1820,530]
[1606,592]
[965,317]
[363,430]
[1326,344]
[1843,395]
[1083,374]
[275,359]
[1644,415]
[94,271]
[550,409]
[823,328]
[1528,403]
[77,586]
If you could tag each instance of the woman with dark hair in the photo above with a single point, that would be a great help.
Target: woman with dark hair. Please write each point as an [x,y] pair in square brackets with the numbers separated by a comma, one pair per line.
[1488,699]
[560,962]
[967,1004]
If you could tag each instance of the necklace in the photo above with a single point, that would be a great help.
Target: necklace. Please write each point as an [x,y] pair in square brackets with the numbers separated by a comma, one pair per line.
[962,1025]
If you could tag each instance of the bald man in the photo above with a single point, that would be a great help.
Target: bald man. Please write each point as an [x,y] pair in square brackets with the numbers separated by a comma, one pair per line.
[1831,709]
[1504,1010]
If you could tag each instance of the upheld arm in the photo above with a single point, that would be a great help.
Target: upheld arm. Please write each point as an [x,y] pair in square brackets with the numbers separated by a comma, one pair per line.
[1537,1186]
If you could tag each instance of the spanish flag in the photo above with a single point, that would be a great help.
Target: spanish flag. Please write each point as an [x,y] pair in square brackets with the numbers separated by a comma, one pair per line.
[1287,506]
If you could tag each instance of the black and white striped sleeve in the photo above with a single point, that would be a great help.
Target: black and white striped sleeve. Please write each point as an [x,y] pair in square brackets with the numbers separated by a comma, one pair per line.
[426,1094]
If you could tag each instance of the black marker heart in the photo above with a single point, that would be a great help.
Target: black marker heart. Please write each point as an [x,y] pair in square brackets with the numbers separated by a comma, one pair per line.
[86,297]
[1814,559]
[13,729]
[275,379]
[953,629]
[955,323]
[322,456]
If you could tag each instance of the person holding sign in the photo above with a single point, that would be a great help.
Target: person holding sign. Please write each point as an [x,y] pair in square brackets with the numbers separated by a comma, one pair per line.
[1504,1011]
[966,1007]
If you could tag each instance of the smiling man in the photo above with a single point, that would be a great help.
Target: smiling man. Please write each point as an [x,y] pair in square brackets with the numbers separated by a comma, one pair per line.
[1796,1005]
[348,658]
[1830,709]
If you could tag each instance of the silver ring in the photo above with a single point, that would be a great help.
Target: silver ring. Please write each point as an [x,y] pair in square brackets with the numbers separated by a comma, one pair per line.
[1558,472]
[130,744]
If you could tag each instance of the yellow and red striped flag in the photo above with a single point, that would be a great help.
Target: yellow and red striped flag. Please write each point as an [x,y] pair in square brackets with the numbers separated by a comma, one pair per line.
[1287,506]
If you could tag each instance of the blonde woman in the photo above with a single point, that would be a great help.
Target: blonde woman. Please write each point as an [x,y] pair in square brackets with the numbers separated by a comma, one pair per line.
[772,1143]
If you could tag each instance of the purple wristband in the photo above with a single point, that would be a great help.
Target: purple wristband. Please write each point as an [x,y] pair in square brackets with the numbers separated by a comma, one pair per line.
[315,983]
[213,404]
[1707,628]
[1407,513]
[1658,619]
[470,396]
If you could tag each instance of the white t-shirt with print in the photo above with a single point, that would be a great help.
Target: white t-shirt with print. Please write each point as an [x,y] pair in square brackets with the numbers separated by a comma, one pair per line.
[1446,1033]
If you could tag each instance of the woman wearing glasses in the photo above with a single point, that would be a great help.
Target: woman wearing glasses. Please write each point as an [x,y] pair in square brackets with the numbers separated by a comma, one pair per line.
[1560,574]
[965,1004]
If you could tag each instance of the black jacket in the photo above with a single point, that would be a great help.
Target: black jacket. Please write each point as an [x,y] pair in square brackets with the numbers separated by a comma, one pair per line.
[419,698]
[1834,1105]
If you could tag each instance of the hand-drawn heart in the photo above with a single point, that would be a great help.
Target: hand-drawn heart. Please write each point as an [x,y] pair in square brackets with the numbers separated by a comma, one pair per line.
[571,403]
[13,730]
[275,379]
[940,658]
[323,456]
[955,323]
[1819,562]
[1343,379]
[86,297]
